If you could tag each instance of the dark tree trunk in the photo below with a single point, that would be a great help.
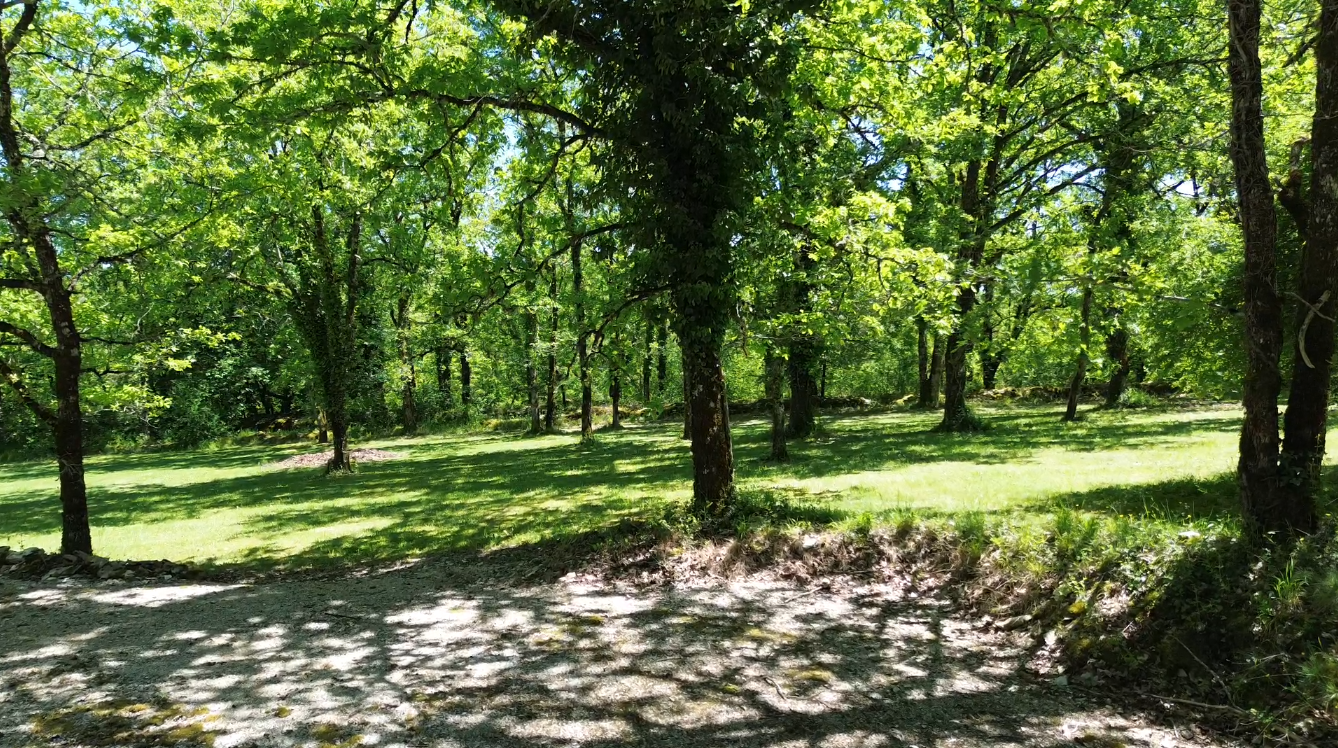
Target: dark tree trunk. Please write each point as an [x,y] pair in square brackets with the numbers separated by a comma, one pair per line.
[582,344]
[923,362]
[532,369]
[75,534]
[1084,357]
[646,355]
[408,395]
[339,460]
[957,415]
[323,424]
[712,445]
[1117,350]
[616,397]
[803,349]
[466,378]
[1257,471]
[662,357]
[550,401]
[990,363]
[1306,422]
[444,376]
[775,393]
[936,371]
[687,398]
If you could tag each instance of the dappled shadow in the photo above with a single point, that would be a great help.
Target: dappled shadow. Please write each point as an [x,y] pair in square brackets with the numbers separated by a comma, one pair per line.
[430,655]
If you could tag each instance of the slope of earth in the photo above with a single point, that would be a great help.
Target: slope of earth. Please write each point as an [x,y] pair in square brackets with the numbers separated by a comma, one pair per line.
[433,655]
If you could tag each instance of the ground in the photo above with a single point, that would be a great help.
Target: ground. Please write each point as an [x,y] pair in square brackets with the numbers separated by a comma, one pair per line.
[438,654]
[476,491]
[411,625]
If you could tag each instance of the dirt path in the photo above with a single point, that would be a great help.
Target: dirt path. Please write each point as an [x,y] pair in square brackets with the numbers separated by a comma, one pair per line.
[417,657]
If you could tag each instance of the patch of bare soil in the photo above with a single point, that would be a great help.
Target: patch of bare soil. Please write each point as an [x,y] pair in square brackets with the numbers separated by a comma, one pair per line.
[433,655]
[321,459]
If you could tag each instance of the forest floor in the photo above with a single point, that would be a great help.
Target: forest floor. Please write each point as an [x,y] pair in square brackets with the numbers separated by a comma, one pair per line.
[447,654]
[478,491]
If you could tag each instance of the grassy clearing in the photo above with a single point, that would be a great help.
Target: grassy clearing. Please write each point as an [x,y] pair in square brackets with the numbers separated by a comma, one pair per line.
[479,491]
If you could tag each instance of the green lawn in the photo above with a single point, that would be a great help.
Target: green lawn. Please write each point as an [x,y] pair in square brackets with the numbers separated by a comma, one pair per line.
[477,491]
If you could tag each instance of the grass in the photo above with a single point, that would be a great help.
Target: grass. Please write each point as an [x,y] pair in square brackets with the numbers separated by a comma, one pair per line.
[482,491]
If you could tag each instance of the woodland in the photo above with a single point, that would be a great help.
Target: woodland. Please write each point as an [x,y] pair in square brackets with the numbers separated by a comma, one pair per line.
[1033,298]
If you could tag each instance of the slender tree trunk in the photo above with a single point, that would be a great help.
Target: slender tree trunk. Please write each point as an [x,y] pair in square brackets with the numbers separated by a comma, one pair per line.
[531,367]
[687,398]
[582,344]
[1257,471]
[1117,350]
[775,393]
[616,396]
[466,377]
[646,356]
[408,396]
[75,534]
[550,402]
[662,357]
[923,360]
[803,349]
[990,363]
[444,376]
[1084,357]
[323,422]
[1306,419]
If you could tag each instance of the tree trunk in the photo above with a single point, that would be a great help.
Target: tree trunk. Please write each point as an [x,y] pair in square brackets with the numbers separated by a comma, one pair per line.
[408,396]
[550,402]
[1084,357]
[803,349]
[1306,419]
[323,423]
[936,371]
[444,376]
[712,445]
[687,397]
[662,357]
[957,415]
[923,361]
[1257,470]
[1117,350]
[532,369]
[990,363]
[582,344]
[466,378]
[339,461]
[775,393]
[646,356]
[616,397]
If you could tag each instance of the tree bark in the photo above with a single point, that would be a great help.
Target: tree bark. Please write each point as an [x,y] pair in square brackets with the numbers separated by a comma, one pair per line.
[803,349]
[582,344]
[1257,469]
[957,415]
[712,444]
[646,355]
[775,393]
[466,377]
[1117,350]
[75,533]
[408,395]
[1306,419]
[936,371]
[531,368]
[924,363]
[1084,356]
[550,402]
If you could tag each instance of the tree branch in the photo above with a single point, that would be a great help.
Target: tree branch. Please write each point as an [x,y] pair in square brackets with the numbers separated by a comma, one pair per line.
[14,378]
[30,339]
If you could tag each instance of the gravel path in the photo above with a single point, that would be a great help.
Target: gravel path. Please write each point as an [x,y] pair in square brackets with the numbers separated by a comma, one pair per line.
[421,657]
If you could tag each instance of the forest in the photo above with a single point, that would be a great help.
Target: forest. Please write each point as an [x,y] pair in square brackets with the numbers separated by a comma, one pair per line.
[1005,326]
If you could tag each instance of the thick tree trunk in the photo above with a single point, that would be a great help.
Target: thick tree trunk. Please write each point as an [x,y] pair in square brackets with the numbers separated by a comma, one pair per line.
[957,415]
[923,362]
[75,534]
[990,363]
[775,393]
[1306,419]
[339,460]
[1117,350]
[1084,356]
[936,371]
[1257,470]
[712,445]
